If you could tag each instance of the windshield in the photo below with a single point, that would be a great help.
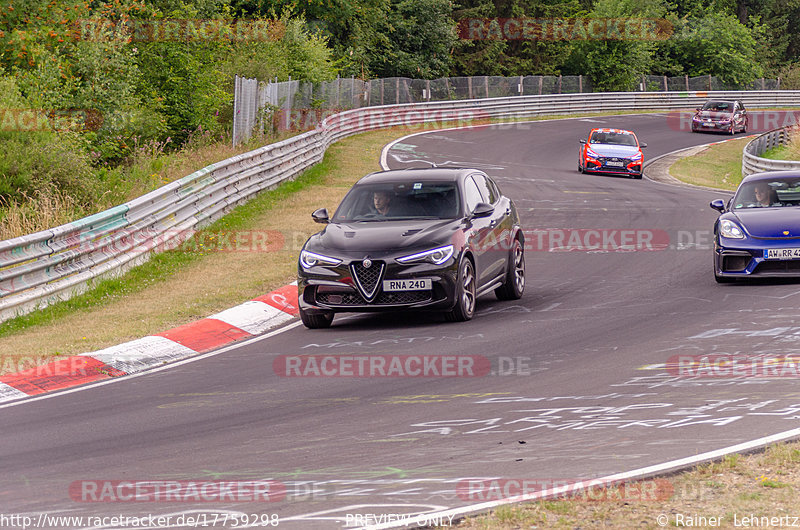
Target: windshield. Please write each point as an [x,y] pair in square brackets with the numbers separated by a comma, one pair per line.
[719,106]
[399,200]
[768,193]
[613,138]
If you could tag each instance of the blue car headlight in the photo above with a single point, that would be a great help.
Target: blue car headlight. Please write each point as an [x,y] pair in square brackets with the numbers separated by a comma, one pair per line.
[310,259]
[730,230]
[637,156]
[437,256]
[591,153]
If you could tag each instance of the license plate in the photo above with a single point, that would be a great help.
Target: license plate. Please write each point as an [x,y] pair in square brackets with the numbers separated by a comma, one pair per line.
[782,253]
[423,284]
[615,163]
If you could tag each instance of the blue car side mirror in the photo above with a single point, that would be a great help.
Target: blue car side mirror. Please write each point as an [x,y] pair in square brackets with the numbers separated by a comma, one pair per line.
[718,204]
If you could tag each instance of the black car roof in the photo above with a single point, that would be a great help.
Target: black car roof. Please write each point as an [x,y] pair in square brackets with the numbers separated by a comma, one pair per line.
[422,174]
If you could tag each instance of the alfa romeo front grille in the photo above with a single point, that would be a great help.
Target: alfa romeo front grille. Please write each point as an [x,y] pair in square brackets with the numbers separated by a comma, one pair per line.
[367,278]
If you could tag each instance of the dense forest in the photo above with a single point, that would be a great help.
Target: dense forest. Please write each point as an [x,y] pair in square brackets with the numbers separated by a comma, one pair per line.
[110,77]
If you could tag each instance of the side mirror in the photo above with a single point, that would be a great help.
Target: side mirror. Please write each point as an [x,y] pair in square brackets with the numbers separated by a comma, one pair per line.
[718,204]
[581,141]
[321,216]
[642,145]
[482,210]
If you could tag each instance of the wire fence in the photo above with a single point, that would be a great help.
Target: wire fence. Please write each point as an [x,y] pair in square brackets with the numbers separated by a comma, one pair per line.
[299,105]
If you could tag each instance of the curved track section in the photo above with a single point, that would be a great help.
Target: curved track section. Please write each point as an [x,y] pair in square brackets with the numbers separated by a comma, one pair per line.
[581,383]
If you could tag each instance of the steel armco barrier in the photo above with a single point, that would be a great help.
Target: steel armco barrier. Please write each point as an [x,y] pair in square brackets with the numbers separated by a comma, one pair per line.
[752,162]
[39,269]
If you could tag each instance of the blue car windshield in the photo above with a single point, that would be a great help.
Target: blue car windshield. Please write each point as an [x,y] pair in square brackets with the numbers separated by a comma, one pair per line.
[399,201]
[768,194]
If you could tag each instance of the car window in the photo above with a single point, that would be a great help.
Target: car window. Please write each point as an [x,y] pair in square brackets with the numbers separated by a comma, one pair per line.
[486,191]
[495,188]
[718,106]
[399,200]
[472,194]
[613,138]
[768,193]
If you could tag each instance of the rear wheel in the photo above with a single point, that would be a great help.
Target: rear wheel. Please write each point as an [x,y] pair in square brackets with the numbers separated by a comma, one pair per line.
[465,293]
[316,320]
[514,285]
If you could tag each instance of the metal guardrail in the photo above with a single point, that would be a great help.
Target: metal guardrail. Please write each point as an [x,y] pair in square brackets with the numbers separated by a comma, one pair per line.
[752,162]
[39,269]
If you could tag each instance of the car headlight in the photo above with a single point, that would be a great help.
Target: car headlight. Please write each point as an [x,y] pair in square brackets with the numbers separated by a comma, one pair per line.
[310,259]
[591,153]
[730,230]
[637,156]
[697,118]
[437,256]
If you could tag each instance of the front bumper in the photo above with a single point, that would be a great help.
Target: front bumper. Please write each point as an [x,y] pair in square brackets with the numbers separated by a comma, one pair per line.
[745,260]
[713,126]
[335,289]
[601,165]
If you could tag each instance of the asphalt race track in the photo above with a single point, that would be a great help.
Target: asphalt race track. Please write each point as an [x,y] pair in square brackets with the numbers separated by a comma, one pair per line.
[580,384]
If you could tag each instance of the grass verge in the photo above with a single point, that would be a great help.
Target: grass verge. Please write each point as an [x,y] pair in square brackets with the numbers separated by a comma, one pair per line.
[721,494]
[717,166]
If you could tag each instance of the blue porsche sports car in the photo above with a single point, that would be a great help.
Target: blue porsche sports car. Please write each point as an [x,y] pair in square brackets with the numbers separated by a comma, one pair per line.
[758,231]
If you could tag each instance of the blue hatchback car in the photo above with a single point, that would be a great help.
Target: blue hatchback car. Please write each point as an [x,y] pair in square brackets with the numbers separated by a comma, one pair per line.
[758,231]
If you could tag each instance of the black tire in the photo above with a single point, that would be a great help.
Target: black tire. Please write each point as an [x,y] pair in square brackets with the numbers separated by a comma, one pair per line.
[465,293]
[639,176]
[580,168]
[317,320]
[733,129]
[514,284]
[744,127]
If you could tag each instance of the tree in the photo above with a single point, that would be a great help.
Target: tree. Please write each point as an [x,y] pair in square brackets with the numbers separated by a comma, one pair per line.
[718,45]
[617,63]
[416,40]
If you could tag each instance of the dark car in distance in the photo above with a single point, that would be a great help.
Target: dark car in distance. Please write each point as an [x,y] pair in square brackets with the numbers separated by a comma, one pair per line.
[431,239]
[725,116]
[758,230]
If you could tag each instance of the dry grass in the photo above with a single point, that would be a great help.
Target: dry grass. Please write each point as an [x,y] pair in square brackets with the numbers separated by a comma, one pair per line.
[40,212]
[790,151]
[763,484]
[718,166]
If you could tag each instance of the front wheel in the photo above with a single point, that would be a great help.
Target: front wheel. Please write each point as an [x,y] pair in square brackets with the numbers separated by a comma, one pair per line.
[316,320]
[465,293]
[514,285]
